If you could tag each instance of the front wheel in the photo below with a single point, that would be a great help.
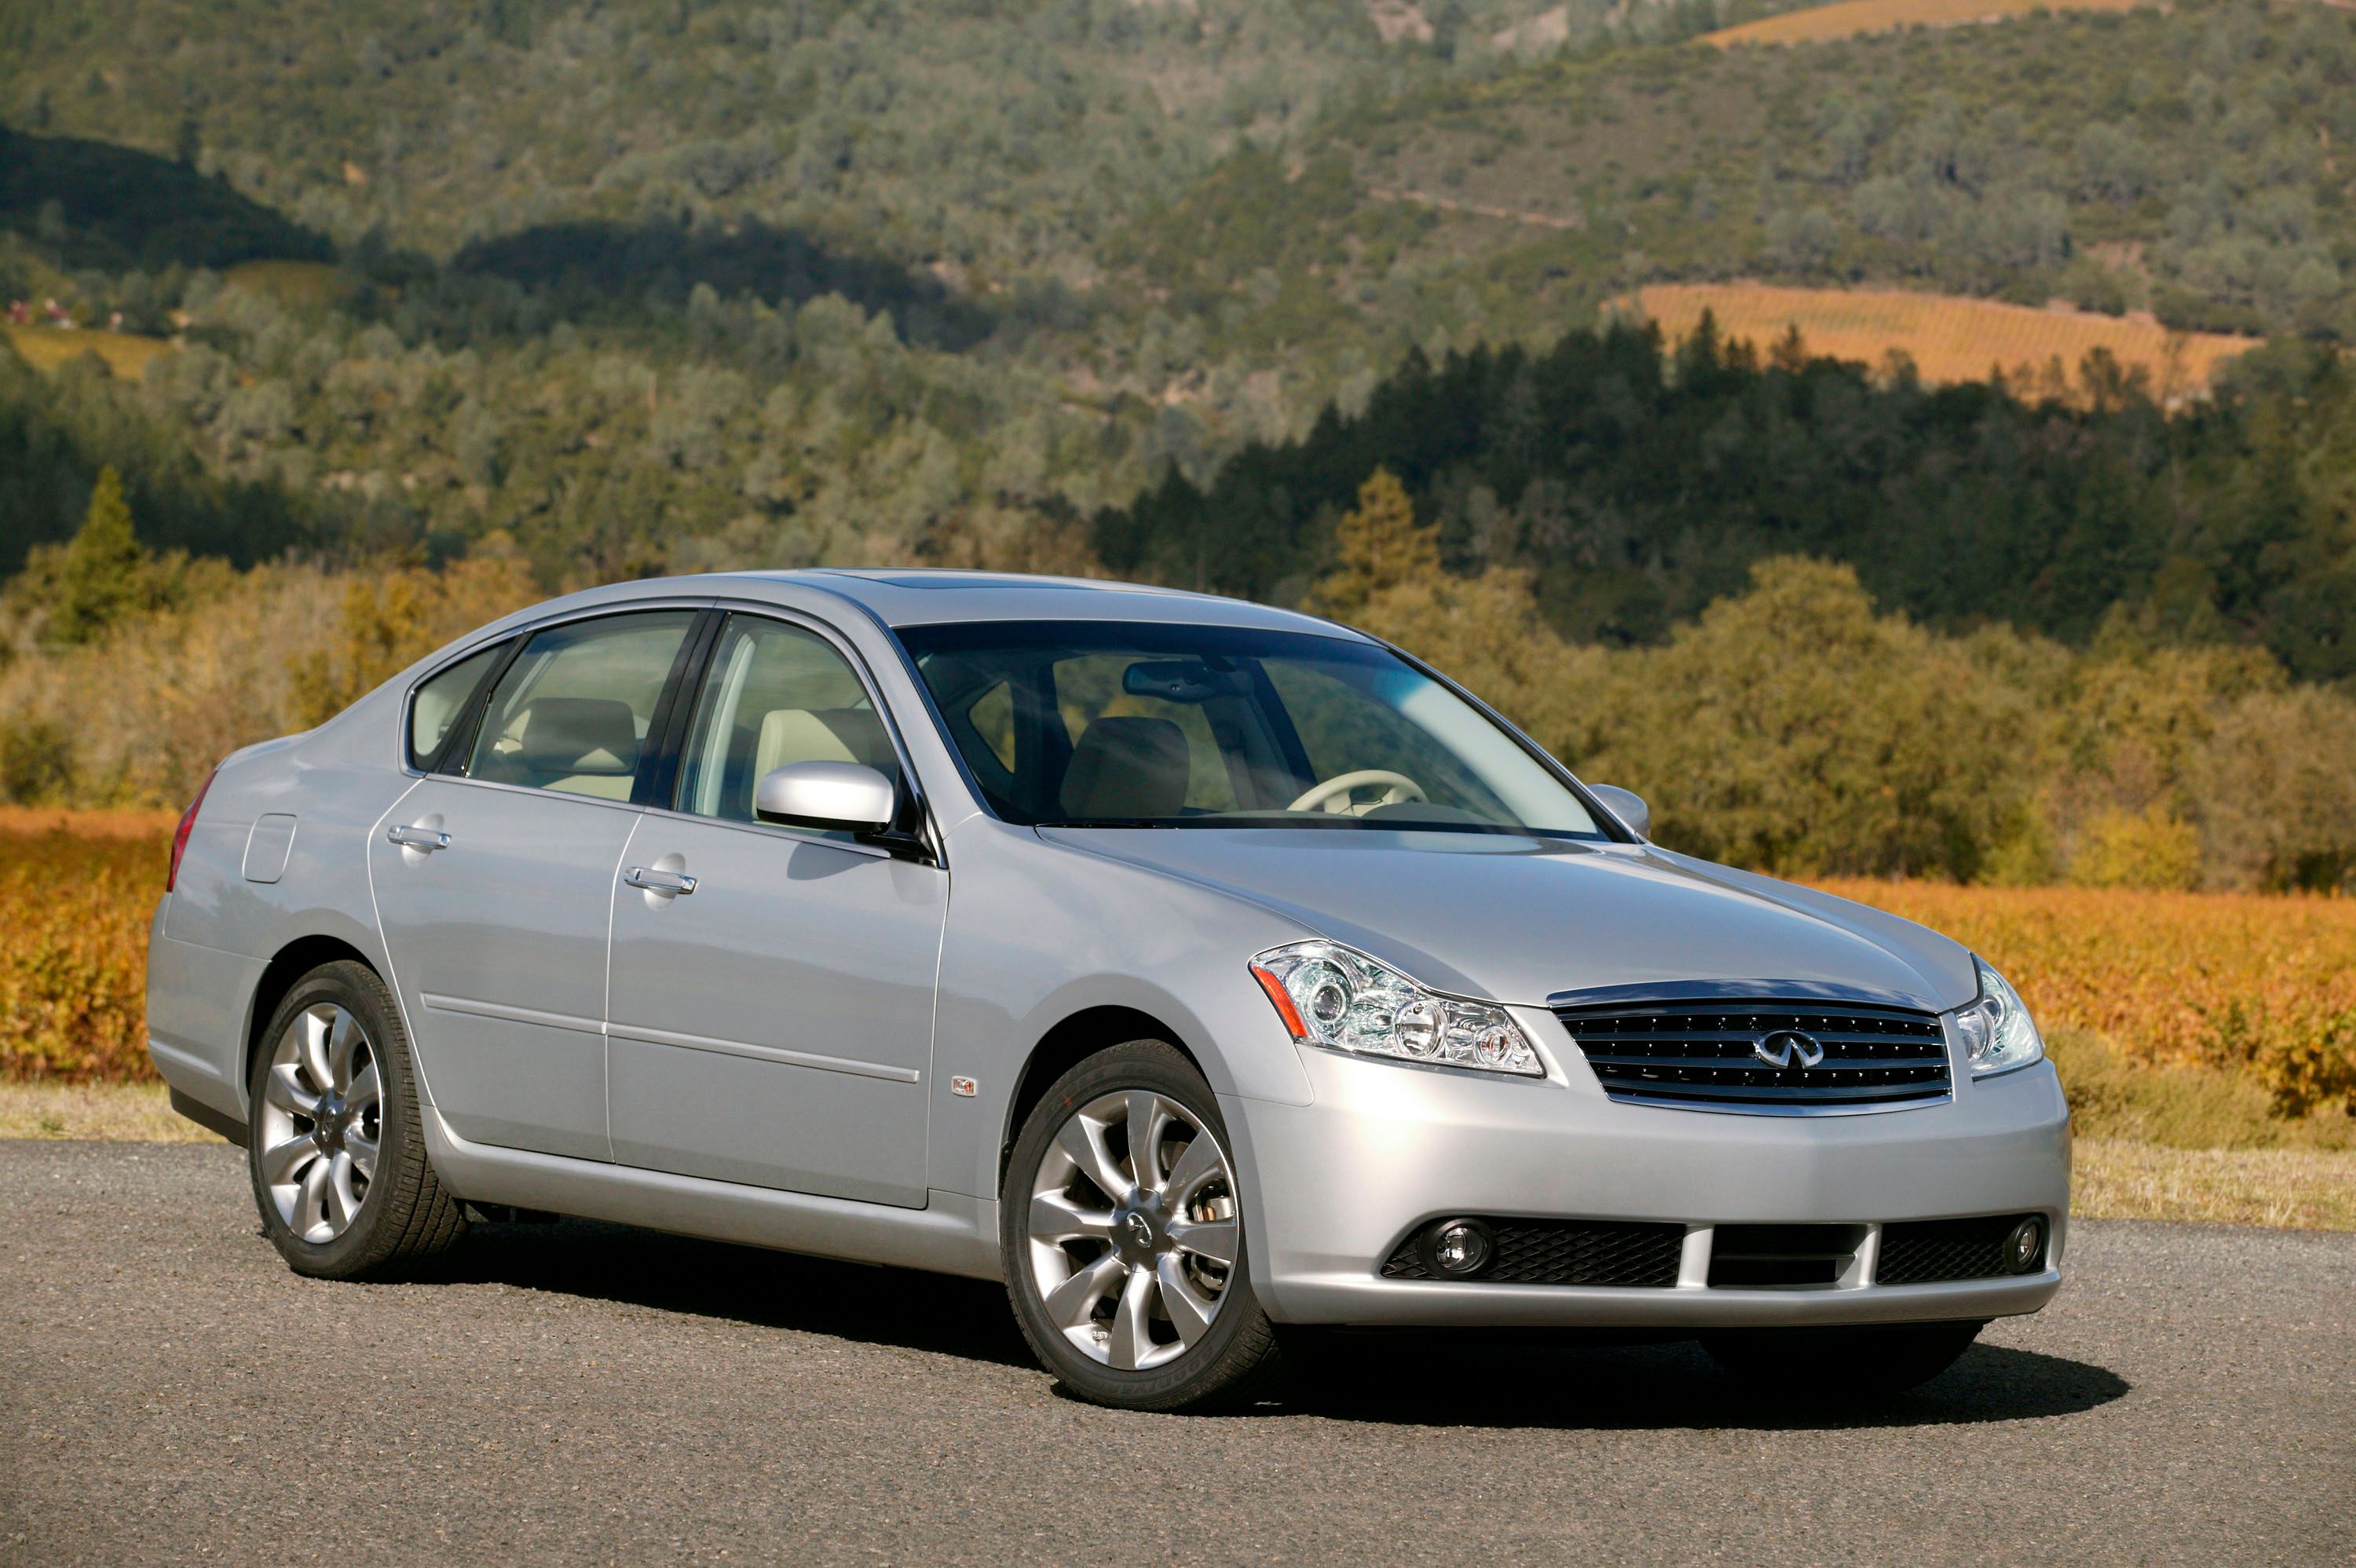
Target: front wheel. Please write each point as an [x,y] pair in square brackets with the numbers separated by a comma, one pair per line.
[1863,1362]
[1122,1236]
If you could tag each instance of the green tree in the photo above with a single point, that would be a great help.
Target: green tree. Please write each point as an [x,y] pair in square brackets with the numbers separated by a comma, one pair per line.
[105,575]
[1794,730]
[1377,547]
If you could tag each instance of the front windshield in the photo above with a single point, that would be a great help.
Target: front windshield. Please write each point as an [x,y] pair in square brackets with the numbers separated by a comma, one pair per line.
[1100,724]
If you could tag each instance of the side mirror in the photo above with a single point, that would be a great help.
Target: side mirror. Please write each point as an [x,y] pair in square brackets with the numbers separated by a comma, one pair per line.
[1627,805]
[837,795]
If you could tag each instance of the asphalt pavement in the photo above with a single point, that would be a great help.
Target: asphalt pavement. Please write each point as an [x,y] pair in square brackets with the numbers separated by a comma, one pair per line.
[578,1392]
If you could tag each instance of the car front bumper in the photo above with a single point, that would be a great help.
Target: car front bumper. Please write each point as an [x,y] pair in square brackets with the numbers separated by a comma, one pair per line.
[1333,1186]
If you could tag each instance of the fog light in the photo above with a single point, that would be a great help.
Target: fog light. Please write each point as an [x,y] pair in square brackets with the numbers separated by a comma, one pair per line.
[2025,1245]
[1460,1248]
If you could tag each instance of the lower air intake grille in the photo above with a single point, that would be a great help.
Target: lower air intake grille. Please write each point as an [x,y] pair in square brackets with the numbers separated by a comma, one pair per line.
[1565,1251]
[1923,1252]
[1765,1056]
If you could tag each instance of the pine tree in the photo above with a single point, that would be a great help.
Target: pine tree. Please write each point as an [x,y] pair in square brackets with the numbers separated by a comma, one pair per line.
[1377,547]
[104,572]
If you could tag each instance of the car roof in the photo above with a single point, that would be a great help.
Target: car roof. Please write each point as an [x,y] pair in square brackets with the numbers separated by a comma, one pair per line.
[914,596]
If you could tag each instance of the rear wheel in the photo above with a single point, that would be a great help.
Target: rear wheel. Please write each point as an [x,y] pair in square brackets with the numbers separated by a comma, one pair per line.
[1123,1239]
[337,1155]
[1864,1361]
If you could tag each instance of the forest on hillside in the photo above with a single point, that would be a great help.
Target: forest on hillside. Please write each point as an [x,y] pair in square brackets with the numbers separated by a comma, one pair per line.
[430,310]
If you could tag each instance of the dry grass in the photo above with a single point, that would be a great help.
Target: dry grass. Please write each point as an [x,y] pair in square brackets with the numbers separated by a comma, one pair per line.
[2120,1179]
[1950,338]
[131,1112]
[296,283]
[45,348]
[1851,17]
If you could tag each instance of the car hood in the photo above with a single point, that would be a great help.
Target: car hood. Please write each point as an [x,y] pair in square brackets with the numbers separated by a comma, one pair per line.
[1523,920]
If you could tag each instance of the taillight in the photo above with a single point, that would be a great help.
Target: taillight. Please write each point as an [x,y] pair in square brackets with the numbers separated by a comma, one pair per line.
[180,834]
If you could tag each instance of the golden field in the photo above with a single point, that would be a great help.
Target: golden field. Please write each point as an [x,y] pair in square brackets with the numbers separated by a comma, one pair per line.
[1851,17]
[1950,338]
[46,347]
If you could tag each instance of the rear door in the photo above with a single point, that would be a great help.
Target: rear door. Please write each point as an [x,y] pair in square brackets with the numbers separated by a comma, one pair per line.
[771,1009]
[494,875]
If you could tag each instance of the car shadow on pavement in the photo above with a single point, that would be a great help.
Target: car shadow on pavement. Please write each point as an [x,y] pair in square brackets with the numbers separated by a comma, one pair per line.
[941,1313]
[1405,1379]
[1474,1380]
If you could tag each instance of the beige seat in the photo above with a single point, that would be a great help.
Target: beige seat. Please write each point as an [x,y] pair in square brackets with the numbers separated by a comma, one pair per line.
[573,745]
[797,735]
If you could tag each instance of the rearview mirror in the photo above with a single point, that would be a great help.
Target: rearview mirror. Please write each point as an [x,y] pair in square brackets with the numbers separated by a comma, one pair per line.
[843,796]
[1627,805]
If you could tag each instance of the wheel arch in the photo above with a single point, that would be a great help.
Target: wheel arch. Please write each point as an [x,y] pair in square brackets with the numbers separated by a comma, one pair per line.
[1071,1041]
[286,967]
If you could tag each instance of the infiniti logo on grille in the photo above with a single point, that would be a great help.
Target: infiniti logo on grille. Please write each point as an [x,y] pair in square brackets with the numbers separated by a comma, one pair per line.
[1788,1048]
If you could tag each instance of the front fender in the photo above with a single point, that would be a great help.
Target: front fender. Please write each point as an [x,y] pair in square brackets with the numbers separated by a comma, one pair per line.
[1039,933]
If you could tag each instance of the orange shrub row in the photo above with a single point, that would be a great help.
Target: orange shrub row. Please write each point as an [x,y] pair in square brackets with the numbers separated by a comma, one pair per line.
[2244,981]
[2241,980]
[74,907]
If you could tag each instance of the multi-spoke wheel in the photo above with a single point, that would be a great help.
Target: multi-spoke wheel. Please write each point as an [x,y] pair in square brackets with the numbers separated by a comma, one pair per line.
[337,1155]
[1124,1236]
[1132,1229]
[321,1122]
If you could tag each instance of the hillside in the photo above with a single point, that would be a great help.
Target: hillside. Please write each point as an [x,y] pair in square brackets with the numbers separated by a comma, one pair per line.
[659,285]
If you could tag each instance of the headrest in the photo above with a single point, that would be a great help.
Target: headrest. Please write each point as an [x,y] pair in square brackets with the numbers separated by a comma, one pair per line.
[1128,767]
[576,735]
[797,735]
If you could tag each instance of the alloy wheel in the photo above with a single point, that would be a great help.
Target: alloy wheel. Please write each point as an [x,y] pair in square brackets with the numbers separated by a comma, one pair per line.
[322,1121]
[1132,1231]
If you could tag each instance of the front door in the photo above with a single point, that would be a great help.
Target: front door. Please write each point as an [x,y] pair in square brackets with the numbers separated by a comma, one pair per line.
[773,1026]
[493,908]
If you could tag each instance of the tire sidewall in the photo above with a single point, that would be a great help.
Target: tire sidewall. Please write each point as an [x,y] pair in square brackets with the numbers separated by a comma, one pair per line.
[1209,1365]
[357,989]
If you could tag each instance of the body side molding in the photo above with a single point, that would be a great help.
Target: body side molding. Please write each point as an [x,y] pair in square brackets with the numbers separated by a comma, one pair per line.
[954,1234]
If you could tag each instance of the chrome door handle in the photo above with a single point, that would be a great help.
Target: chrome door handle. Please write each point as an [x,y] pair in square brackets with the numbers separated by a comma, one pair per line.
[424,839]
[654,879]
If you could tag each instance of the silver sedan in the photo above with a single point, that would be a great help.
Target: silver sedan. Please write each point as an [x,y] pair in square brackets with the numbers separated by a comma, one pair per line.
[1209,974]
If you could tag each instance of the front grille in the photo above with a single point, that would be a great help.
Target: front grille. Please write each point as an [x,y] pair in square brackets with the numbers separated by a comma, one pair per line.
[1565,1251]
[1923,1252]
[1706,1054]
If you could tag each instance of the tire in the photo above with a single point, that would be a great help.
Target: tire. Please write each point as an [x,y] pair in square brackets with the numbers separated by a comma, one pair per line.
[1868,1360]
[1102,1287]
[360,1202]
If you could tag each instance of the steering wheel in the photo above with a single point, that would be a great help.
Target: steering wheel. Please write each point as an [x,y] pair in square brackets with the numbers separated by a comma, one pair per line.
[1333,795]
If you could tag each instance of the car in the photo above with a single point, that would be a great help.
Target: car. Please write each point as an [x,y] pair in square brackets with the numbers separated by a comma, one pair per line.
[1213,975]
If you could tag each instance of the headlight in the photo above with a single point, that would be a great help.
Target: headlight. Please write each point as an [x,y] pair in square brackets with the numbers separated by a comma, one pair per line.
[1997,1030]
[1336,996]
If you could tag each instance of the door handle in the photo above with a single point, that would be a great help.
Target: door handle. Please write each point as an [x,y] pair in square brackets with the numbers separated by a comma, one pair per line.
[425,838]
[654,879]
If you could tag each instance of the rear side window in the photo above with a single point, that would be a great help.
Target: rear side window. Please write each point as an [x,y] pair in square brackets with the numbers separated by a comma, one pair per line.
[572,713]
[439,701]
